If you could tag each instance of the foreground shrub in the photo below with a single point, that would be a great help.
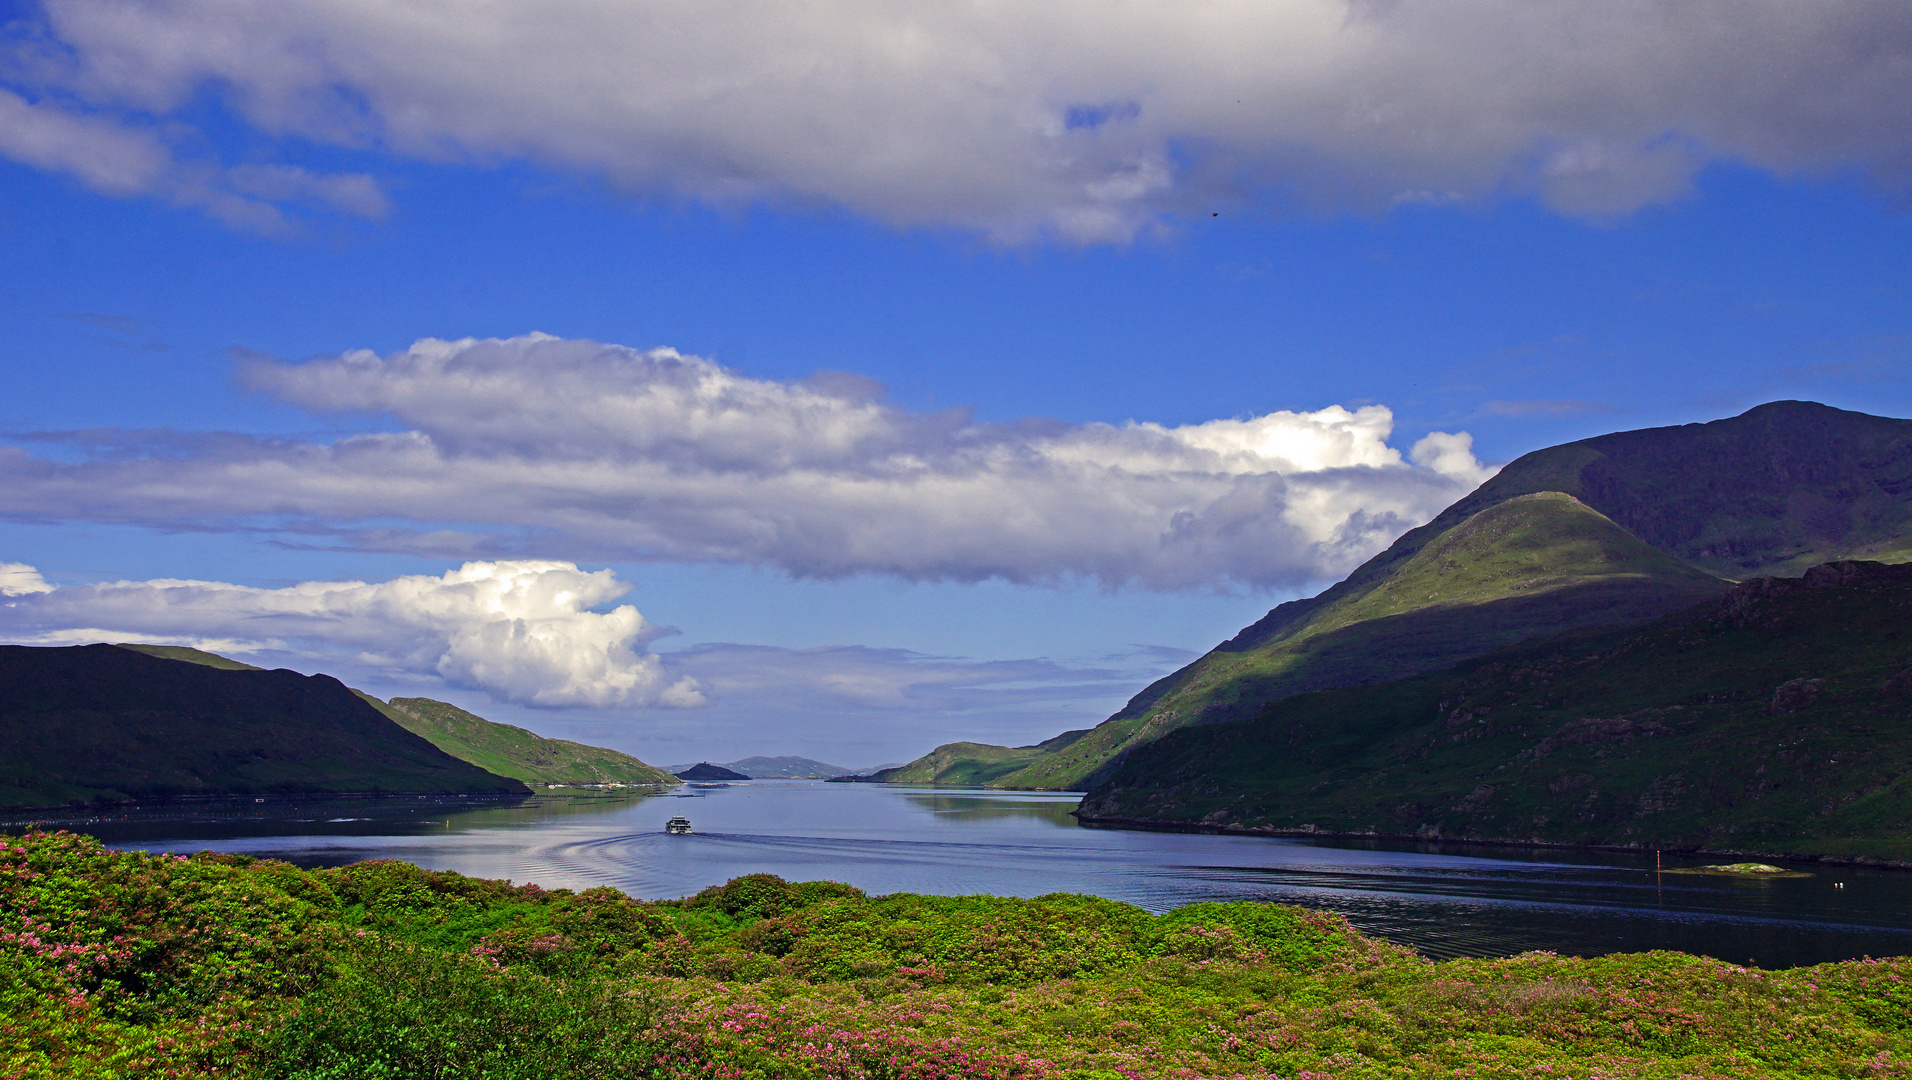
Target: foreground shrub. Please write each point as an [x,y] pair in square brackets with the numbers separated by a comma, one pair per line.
[411,1013]
[128,965]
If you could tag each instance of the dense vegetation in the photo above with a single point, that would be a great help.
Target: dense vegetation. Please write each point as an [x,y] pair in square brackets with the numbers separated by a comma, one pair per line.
[127,965]
[1609,530]
[101,722]
[1777,720]
[515,752]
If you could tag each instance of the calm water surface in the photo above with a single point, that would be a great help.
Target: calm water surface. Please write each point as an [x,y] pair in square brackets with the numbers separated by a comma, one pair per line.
[1443,900]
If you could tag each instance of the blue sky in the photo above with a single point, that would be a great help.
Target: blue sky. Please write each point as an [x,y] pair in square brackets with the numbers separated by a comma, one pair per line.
[956,534]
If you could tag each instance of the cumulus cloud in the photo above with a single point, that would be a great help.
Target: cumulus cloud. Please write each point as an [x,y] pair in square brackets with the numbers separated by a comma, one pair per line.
[574,448]
[521,631]
[19,579]
[1071,118]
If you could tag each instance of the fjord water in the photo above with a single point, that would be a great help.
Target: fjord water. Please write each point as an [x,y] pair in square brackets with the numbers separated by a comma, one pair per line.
[1444,901]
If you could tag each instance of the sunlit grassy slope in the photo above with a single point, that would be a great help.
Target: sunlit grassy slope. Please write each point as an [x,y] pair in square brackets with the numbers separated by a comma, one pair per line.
[973,763]
[104,722]
[517,753]
[1652,514]
[1778,720]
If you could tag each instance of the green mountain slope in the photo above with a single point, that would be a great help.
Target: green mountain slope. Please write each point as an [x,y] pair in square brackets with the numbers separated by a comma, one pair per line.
[193,656]
[104,722]
[515,752]
[1536,564]
[1779,487]
[973,763]
[1778,720]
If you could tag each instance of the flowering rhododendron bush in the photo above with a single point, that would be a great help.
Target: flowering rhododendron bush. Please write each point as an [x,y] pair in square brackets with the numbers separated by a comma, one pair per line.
[131,965]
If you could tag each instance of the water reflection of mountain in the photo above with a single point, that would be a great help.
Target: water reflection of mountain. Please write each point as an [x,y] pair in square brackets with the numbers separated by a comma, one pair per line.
[319,817]
[1045,807]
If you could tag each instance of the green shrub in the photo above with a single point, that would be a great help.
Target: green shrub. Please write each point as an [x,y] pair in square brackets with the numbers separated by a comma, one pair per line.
[410,1013]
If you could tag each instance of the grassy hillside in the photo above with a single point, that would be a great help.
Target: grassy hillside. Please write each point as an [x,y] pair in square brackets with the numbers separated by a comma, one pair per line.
[1777,720]
[974,764]
[1779,488]
[517,753]
[191,656]
[129,966]
[104,722]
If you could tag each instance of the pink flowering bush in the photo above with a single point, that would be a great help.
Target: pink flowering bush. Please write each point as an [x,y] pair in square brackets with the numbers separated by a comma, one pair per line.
[128,965]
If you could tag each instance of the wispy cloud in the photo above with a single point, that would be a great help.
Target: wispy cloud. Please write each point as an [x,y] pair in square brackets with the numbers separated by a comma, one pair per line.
[119,157]
[574,449]
[872,704]
[1079,120]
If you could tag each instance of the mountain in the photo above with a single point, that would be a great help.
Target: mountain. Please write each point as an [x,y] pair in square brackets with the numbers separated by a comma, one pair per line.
[1777,720]
[193,656]
[515,752]
[499,748]
[971,763]
[1604,531]
[101,722]
[704,770]
[783,768]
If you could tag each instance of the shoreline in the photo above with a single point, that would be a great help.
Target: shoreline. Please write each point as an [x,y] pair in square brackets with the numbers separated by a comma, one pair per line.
[160,802]
[1271,832]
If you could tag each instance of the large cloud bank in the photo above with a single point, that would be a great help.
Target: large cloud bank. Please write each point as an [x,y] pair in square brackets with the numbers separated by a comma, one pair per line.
[521,631]
[574,449]
[1079,119]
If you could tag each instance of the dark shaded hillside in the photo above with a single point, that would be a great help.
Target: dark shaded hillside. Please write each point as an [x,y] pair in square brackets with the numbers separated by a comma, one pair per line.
[1778,719]
[104,722]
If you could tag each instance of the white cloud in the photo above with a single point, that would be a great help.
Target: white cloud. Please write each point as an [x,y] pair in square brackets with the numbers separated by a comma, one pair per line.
[19,579]
[119,159]
[832,679]
[1452,455]
[1073,118]
[577,449]
[521,631]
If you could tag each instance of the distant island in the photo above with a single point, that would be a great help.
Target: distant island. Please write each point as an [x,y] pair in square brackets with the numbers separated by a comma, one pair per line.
[705,771]
[96,724]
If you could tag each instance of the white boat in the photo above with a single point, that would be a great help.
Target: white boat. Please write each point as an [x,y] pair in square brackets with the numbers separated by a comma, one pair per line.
[677,826]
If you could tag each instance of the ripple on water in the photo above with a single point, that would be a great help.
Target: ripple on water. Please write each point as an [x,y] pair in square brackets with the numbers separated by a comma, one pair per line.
[1444,901]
